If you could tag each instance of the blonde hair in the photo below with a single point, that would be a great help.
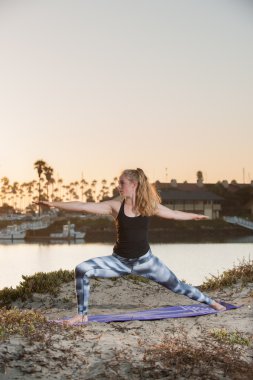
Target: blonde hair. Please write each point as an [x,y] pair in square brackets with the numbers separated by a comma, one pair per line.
[147,198]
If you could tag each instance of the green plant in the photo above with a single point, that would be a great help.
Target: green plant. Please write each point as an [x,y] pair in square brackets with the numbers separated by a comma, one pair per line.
[38,283]
[233,337]
[132,277]
[32,325]
[19,322]
[137,279]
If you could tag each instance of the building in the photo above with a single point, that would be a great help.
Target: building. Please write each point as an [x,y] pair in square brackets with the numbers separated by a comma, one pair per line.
[238,197]
[190,197]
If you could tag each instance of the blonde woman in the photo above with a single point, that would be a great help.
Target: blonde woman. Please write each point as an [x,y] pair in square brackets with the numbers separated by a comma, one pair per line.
[131,252]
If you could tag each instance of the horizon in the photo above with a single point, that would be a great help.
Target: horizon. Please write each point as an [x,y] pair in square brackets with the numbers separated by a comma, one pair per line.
[165,179]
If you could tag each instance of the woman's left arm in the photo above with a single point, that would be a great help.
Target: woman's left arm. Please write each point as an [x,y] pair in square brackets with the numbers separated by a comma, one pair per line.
[167,213]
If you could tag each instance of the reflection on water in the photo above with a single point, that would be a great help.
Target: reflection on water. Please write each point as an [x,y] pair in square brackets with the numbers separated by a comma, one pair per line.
[42,242]
[242,239]
[11,242]
[191,262]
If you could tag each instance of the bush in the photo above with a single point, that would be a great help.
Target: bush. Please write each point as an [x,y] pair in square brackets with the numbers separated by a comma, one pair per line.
[242,273]
[38,283]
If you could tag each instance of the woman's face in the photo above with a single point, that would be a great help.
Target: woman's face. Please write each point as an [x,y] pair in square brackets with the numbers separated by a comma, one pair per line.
[126,187]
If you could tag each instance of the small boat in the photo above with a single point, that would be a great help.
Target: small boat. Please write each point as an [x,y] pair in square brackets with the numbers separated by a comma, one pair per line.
[68,233]
[18,231]
[12,232]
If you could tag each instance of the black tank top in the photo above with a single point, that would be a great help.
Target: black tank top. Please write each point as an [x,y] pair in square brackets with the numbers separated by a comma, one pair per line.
[132,235]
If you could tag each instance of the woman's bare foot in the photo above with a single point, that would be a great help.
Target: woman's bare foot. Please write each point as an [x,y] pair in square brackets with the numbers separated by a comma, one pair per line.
[76,319]
[217,306]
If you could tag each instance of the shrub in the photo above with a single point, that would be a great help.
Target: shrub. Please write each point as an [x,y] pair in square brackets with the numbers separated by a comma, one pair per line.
[243,272]
[38,283]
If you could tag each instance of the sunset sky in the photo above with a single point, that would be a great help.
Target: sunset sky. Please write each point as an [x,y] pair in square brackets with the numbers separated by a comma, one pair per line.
[93,87]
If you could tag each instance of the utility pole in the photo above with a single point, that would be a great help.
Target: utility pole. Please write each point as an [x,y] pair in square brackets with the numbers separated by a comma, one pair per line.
[82,186]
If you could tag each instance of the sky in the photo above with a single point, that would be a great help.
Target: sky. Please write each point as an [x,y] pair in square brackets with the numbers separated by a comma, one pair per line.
[94,87]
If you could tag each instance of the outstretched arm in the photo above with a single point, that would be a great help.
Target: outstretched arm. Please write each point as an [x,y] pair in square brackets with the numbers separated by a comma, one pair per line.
[167,213]
[103,208]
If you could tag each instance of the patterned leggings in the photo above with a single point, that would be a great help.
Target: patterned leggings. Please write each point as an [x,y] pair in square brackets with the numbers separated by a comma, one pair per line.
[148,266]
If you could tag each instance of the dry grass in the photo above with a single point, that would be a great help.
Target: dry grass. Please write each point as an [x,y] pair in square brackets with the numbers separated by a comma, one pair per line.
[242,273]
[32,325]
[177,358]
[24,323]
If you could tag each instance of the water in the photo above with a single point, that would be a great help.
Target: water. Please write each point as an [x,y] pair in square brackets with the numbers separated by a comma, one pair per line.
[190,262]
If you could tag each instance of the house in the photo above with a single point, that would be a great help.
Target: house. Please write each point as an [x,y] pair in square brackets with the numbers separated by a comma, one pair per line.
[238,197]
[190,197]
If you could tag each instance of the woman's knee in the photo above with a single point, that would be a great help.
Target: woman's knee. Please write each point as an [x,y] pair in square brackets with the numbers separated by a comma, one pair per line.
[81,269]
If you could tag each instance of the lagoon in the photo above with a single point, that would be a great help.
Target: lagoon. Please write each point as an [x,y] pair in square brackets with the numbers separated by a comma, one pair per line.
[190,262]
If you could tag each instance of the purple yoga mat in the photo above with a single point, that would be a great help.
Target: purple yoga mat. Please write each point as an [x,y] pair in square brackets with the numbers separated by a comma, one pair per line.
[160,313]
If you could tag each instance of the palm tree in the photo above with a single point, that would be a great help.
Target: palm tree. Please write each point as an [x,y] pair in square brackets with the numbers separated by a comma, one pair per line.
[21,195]
[67,193]
[39,166]
[1,197]
[48,171]
[112,186]
[83,184]
[31,186]
[60,182]
[93,187]
[55,195]
[200,177]
[14,191]
[89,195]
[5,188]
[76,184]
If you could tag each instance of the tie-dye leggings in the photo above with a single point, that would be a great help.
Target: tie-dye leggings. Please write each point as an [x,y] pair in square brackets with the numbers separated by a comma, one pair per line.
[148,266]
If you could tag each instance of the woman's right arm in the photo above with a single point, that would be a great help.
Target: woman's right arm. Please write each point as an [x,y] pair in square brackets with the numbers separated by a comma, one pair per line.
[103,208]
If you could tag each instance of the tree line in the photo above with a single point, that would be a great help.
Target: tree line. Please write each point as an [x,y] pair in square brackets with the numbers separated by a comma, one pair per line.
[20,196]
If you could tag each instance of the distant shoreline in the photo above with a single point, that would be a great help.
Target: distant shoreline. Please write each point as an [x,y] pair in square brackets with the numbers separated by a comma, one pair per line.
[102,230]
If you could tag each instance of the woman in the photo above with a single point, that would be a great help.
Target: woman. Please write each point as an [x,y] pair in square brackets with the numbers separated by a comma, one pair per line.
[131,253]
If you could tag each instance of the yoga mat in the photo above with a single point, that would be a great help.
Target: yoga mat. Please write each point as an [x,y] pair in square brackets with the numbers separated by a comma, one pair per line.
[160,313]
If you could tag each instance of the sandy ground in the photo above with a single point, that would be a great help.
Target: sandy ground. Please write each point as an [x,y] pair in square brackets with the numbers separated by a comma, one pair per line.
[118,350]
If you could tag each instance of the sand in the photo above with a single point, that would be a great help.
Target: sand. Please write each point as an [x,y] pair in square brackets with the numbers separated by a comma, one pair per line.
[121,350]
